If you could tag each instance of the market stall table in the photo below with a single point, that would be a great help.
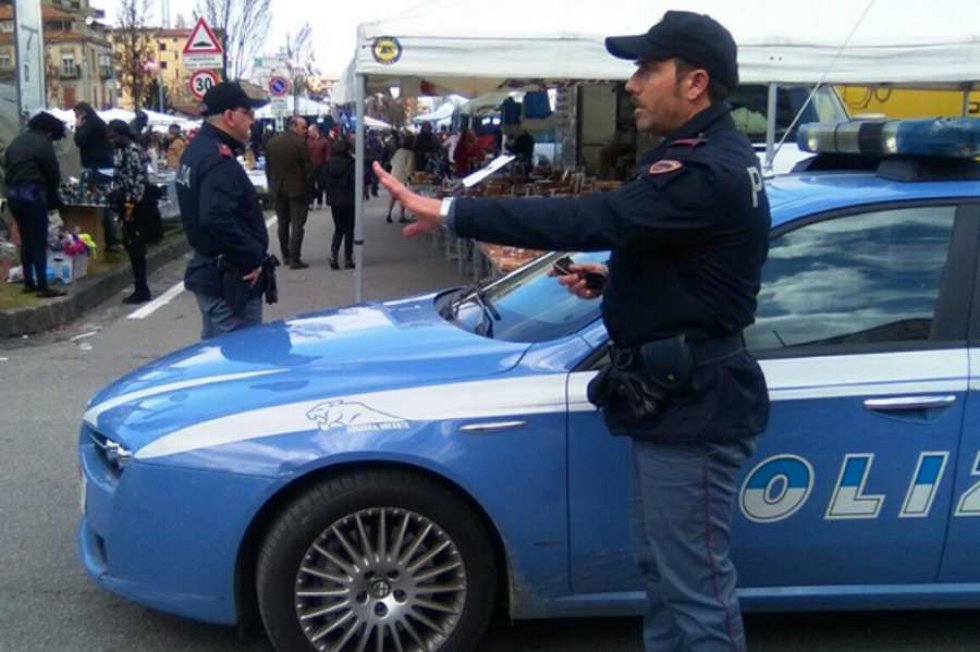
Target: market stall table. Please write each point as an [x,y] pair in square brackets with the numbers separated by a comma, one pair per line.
[88,219]
[499,260]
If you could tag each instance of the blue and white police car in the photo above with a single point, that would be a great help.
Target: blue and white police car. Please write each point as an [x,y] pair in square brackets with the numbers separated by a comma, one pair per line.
[382,476]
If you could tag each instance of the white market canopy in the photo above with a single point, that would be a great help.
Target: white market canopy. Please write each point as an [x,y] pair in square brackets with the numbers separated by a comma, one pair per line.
[444,112]
[306,107]
[374,123]
[459,46]
[512,42]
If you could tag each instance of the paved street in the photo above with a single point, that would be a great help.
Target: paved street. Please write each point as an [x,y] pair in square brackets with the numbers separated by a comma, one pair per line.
[47,602]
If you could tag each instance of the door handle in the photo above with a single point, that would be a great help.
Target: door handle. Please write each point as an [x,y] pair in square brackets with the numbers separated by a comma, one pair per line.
[899,403]
[493,426]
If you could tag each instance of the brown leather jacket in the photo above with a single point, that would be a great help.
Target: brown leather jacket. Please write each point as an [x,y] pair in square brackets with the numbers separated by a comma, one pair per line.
[288,166]
[174,151]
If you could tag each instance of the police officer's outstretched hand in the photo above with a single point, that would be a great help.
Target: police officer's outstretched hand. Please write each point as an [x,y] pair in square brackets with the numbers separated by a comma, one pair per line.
[425,209]
[576,281]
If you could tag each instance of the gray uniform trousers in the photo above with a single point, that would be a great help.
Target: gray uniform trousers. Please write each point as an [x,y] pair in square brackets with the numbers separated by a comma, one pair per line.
[682,499]
[217,317]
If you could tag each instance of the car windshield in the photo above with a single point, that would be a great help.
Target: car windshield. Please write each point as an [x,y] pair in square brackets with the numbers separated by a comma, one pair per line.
[527,305]
[749,109]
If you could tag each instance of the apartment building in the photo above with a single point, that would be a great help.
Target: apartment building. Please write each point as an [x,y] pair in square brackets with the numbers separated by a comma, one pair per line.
[166,47]
[79,63]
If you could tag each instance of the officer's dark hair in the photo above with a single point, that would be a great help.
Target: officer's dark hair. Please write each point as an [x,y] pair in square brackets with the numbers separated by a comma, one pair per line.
[717,91]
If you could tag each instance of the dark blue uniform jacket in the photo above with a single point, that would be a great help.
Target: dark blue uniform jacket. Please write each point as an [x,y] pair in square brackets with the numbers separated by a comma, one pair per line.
[688,236]
[220,210]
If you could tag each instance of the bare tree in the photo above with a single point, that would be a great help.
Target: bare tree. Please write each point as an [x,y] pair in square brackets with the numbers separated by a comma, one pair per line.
[242,26]
[134,48]
[301,61]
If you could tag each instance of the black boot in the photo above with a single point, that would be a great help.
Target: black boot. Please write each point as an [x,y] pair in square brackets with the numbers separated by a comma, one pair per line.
[334,264]
[349,263]
[141,291]
[333,258]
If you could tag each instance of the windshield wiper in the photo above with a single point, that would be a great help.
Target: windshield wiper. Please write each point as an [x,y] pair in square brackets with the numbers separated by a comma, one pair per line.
[473,292]
[490,313]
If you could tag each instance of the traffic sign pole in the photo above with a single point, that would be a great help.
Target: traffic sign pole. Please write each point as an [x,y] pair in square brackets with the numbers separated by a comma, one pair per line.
[201,81]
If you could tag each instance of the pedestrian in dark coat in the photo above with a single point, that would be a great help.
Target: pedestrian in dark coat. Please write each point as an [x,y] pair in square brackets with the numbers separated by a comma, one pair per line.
[338,182]
[319,155]
[33,176]
[127,191]
[688,236]
[289,169]
[91,138]
[96,154]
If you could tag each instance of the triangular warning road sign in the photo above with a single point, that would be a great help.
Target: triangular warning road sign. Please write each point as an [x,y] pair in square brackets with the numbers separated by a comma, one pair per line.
[202,40]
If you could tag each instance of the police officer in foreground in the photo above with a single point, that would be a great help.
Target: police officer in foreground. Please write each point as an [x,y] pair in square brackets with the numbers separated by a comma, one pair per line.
[222,218]
[688,236]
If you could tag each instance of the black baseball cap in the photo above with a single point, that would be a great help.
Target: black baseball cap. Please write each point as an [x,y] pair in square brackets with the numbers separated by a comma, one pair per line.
[696,38]
[227,96]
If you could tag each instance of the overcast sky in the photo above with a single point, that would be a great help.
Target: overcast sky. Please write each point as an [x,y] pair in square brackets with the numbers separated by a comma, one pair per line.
[334,23]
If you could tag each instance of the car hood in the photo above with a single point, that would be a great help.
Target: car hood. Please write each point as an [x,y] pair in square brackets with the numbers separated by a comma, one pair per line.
[334,353]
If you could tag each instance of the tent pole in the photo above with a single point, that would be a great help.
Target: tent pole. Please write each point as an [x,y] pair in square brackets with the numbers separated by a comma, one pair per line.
[770,128]
[359,82]
[965,112]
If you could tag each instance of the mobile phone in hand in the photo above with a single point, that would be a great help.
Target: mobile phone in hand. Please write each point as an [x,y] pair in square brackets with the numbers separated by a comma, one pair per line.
[562,266]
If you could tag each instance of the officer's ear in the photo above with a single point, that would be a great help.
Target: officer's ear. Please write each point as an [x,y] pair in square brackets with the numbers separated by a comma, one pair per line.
[694,84]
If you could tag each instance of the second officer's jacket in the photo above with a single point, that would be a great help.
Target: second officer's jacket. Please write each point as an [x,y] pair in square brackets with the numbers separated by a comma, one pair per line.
[220,211]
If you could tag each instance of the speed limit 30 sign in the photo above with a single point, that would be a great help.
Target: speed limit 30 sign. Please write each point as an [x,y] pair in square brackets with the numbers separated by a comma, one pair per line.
[201,81]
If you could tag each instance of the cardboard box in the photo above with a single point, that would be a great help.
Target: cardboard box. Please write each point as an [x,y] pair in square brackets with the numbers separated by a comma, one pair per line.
[66,269]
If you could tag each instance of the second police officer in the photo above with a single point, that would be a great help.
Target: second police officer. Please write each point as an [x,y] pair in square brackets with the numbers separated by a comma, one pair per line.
[688,235]
[230,267]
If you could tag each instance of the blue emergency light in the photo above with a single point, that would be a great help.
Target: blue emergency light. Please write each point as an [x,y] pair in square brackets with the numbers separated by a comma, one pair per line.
[946,137]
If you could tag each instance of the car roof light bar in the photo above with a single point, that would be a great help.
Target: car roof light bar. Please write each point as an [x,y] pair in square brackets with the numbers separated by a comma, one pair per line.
[946,137]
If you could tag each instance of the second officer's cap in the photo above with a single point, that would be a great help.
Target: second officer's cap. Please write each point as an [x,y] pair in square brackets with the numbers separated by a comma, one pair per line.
[227,96]
[696,38]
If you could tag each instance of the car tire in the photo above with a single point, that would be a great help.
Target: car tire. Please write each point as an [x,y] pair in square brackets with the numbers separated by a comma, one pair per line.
[377,554]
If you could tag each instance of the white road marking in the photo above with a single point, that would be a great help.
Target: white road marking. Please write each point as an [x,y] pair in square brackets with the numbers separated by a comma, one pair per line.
[169,295]
[159,302]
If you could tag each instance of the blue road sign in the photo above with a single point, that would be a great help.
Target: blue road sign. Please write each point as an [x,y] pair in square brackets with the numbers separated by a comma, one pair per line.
[278,86]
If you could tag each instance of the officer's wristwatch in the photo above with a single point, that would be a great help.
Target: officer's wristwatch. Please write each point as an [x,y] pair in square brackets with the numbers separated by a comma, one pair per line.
[446,207]
[448,215]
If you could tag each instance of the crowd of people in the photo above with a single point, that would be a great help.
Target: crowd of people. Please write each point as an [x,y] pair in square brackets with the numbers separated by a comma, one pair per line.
[308,167]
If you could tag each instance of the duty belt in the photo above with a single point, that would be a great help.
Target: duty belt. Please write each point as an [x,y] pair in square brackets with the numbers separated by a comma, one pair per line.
[703,351]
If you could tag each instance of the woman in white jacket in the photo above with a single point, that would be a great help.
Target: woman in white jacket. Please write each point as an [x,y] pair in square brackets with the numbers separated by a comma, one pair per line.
[402,167]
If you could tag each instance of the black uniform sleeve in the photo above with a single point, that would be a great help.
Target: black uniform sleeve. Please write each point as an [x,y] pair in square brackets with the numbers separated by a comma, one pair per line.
[219,201]
[649,211]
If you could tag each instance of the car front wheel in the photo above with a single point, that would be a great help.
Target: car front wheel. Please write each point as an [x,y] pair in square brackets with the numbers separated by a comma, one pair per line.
[376,560]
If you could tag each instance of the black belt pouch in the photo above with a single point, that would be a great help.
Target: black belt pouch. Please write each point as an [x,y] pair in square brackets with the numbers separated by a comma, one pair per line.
[640,383]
